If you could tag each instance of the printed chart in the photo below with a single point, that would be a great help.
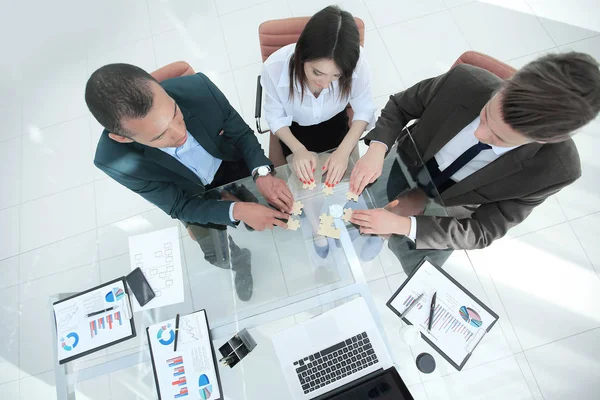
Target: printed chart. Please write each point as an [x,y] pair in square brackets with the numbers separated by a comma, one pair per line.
[189,372]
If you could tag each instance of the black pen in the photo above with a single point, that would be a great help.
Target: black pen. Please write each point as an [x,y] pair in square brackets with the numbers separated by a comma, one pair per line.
[176,331]
[100,312]
[431,309]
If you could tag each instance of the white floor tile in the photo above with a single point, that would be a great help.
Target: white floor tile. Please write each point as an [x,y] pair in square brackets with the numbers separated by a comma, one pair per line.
[11,106]
[113,239]
[54,93]
[41,387]
[547,214]
[590,46]
[10,390]
[436,43]
[136,382]
[94,389]
[501,32]
[529,377]
[567,21]
[520,62]
[200,45]
[166,15]
[57,217]
[139,53]
[456,3]
[10,227]
[47,260]
[245,81]
[582,197]
[56,159]
[240,29]
[110,210]
[387,12]
[10,165]
[9,323]
[418,392]
[384,76]
[96,131]
[568,368]
[500,379]
[36,352]
[9,270]
[528,273]
[229,6]
[587,230]
[355,7]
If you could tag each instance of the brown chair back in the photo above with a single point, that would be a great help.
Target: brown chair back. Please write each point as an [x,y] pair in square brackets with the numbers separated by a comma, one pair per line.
[275,34]
[486,62]
[173,70]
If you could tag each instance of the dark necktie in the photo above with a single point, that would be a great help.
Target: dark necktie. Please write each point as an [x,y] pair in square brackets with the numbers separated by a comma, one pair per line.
[460,162]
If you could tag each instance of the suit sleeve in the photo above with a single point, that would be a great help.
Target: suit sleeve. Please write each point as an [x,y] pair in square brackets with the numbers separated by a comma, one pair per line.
[403,107]
[237,131]
[174,201]
[488,223]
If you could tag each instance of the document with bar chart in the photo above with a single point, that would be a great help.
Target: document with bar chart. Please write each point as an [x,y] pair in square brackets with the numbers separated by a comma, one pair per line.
[460,320]
[190,372]
[92,320]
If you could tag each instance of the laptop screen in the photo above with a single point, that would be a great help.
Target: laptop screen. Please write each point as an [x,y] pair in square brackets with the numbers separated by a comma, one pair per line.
[386,385]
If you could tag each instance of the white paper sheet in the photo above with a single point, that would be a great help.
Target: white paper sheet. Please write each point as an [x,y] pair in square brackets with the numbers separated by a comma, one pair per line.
[157,255]
[78,333]
[190,371]
[459,322]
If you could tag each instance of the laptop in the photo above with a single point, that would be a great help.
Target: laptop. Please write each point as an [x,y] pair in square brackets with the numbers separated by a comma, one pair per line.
[338,353]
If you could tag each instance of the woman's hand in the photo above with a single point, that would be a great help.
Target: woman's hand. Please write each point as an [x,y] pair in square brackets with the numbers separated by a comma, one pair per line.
[304,164]
[335,166]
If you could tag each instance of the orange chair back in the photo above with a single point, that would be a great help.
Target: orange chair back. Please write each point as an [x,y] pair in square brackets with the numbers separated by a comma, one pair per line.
[278,33]
[173,70]
[486,62]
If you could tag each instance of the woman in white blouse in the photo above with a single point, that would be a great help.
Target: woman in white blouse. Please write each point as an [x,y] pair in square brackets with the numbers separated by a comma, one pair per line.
[308,86]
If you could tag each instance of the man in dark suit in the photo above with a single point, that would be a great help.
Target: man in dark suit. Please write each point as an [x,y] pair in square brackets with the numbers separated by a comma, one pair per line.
[170,142]
[494,149]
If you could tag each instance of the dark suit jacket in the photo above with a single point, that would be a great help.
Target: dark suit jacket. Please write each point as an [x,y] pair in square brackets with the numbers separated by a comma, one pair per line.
[164,181]
[503,193]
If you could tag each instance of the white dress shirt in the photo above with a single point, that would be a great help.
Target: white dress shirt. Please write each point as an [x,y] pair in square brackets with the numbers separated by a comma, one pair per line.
[280,111]
[453,149]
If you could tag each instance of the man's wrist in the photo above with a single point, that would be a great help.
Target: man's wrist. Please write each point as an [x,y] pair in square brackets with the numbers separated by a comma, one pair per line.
[403,225]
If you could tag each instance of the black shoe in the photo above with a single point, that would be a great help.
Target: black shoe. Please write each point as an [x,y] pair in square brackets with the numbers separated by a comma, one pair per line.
[244,284]
[241,263]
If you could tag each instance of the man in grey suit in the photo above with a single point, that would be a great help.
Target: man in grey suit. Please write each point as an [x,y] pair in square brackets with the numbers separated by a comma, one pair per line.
[494,149]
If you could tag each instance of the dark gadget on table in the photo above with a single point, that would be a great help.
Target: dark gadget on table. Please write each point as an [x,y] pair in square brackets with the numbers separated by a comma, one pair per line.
[140,287]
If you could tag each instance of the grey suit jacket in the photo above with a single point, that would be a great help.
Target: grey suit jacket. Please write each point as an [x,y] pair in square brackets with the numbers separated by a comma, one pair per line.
[498,196]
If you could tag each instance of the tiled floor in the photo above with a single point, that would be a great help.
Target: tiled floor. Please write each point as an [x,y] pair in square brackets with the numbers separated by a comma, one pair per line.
[61,228]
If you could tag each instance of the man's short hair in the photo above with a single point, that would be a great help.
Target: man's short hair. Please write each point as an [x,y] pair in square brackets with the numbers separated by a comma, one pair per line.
[550,98]
[118,91]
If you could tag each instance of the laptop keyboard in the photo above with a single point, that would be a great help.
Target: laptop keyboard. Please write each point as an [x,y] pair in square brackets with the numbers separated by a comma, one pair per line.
[335,362]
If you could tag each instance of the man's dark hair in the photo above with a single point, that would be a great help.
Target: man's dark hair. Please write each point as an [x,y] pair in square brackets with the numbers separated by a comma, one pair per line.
[331,34]
[118,91]
[550,98]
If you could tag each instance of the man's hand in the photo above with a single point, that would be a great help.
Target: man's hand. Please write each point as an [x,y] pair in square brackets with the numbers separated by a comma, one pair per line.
[258,216]
[368,168]
[276,192]
[409,203]
[380,222]
[304,164]
[335,166]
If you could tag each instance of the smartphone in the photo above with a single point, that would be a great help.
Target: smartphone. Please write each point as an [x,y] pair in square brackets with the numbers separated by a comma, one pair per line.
[140,287]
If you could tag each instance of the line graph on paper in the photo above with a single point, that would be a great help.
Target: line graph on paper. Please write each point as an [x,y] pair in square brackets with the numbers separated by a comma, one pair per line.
[67,318]
[189,330]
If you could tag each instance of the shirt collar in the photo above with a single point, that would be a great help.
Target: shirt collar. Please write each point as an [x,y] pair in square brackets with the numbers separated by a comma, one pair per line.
[496,149]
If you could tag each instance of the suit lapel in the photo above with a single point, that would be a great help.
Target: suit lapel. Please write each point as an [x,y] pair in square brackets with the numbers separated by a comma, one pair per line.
[452,125]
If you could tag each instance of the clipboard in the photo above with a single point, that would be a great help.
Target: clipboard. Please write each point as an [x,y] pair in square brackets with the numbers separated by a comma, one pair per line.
[460,319]
[176,373]
[78,335]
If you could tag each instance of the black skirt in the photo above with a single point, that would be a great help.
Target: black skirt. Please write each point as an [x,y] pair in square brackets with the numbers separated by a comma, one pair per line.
[321,137]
